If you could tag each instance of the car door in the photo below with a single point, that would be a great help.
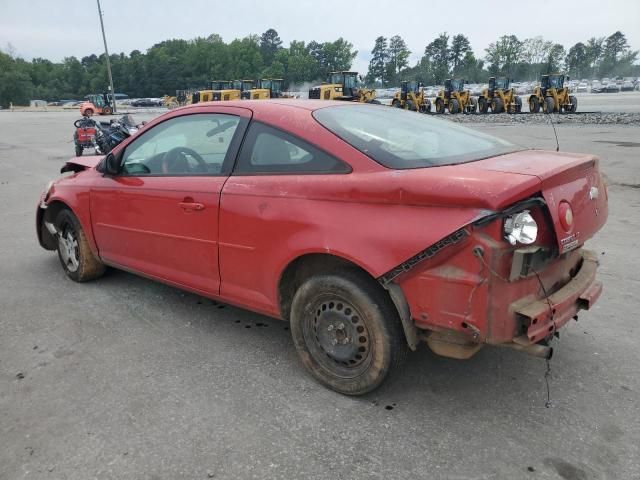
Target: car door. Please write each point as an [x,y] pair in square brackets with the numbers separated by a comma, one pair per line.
[159,215]
[264,205]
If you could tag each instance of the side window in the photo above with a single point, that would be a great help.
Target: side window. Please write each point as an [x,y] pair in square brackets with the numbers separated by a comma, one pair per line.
[269,150]
[189,145]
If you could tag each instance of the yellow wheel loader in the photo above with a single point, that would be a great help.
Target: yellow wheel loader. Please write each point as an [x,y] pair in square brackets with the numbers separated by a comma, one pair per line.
[552,96]
[182,98]
[411,97]
[455,98]
[499,97]
[266,88]
[343,86]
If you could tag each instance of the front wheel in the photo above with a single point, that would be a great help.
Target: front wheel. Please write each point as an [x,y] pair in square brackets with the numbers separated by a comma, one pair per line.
[549,105]
[439,105]
[74,251]
[534,105]
[347,331]
[107,111]
[454,106]
[574,103]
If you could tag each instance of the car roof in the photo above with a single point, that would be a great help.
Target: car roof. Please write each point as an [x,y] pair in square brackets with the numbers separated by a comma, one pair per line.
[273,104]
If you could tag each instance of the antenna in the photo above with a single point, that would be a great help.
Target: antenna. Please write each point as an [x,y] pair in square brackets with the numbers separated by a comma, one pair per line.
[554,132]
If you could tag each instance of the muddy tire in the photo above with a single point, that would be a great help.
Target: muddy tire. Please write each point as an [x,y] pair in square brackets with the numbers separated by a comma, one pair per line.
[534,105]
[548,105]
[347,331]
[75,255]
[439,105]
[408,105]
[454,106]
[574,104]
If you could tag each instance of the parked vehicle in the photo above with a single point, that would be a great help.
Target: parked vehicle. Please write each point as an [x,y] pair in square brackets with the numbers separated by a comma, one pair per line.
[85,134]
[627,86]
[611,87]
[100,104]
[102,136]
[582,87]
[369,229]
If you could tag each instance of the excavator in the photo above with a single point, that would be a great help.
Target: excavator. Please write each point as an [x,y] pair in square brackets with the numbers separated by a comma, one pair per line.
[411,97]
[343,86]
[500,97]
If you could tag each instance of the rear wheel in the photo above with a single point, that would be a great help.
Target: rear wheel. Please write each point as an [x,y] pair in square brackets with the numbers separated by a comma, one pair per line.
[497,106]
[347,332]
[74,251]
[88,112]
[454,106]
[396,103]
[534,105]
[548,105]
[439,105]
[574,103]
[107,110]
[408,105]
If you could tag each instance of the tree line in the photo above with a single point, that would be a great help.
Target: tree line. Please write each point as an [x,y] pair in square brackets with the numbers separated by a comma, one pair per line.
[182,64]
[526,59]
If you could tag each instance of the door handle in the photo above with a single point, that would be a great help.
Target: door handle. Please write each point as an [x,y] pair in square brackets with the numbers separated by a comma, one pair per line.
[191,206]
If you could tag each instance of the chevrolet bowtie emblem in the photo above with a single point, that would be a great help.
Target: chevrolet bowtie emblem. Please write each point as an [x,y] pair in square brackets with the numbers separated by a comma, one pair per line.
[593,193]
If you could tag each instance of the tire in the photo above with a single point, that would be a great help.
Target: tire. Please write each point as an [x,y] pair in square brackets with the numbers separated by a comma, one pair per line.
[454,106]
[439,105]
[334,308]
[374,102]
[88,112]
[574,103]
[473,105]
[408,105]
[396,103]
[427,105]
[78,150]
[107,110]
[548,105]
[483,107]
[497,106]
[518,101]
[75,255]
[534,105]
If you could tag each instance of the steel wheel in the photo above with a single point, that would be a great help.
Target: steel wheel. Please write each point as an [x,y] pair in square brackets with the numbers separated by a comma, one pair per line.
[74,252]
[337,337]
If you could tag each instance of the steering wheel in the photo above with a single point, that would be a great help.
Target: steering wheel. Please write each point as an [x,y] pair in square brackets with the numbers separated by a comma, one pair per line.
[175,161]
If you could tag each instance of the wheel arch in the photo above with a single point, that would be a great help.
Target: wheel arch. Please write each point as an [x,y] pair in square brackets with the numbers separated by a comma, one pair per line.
[304,266]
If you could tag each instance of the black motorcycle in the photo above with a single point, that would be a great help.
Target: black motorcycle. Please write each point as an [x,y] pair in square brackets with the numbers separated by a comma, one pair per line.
[103,136]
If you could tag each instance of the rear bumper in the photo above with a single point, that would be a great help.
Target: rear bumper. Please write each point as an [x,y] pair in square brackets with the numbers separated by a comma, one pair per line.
[547,315]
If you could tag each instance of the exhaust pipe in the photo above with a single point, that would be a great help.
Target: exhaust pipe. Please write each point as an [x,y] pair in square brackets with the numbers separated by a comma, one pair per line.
[534,349]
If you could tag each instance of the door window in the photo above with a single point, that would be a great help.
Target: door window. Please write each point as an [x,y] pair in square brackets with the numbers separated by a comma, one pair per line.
[187,145]
[269,150]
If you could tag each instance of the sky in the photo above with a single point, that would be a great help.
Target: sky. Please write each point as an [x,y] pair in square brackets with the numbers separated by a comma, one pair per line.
[55,29]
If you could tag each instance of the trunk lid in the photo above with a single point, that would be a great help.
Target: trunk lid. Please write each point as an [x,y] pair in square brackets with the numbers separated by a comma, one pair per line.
[568,178]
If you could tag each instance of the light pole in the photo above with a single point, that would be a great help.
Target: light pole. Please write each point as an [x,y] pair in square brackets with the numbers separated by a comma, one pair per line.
[106,51]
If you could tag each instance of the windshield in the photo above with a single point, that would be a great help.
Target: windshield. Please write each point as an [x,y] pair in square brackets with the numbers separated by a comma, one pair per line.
[457,85]
[502,83]
[399,139]
[266,84]
[336,78]
[556,81]
[350,81]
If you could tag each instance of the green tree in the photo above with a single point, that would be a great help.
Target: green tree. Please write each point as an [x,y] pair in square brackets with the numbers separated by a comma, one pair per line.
[436,57]
[554,58]
[593,51]
[398,57]
[576,61]
[269,44]
[378,62]
[504,54]
[459,47]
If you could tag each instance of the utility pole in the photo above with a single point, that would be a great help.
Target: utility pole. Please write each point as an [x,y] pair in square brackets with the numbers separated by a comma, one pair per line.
[106,51]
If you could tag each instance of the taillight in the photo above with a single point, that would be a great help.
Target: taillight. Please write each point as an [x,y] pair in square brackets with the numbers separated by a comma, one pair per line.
[566,216]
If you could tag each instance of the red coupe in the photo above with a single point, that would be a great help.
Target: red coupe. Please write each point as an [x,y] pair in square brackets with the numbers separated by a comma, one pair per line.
[370,229]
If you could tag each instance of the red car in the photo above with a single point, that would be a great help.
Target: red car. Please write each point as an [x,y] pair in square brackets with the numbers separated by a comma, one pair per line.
[370,229]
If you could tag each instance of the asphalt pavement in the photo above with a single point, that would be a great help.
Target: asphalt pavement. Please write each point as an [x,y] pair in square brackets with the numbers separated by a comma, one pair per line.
[125,378]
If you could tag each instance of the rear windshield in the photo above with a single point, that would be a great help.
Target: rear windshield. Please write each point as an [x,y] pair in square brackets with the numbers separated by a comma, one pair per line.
[401,139]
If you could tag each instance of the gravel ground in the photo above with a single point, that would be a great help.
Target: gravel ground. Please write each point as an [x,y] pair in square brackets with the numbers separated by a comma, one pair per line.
[125,378]
[631,119]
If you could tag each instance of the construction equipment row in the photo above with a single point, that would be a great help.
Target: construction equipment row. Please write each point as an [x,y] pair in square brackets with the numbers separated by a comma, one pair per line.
[499,97]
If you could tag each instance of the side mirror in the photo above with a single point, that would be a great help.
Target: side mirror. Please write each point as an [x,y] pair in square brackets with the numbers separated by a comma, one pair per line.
[111,164]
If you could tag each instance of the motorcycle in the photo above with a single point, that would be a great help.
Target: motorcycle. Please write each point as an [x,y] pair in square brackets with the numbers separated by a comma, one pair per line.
[103,136]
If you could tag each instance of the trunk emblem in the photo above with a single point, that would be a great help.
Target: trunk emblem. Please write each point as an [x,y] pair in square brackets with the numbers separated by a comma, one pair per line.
[593,193]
